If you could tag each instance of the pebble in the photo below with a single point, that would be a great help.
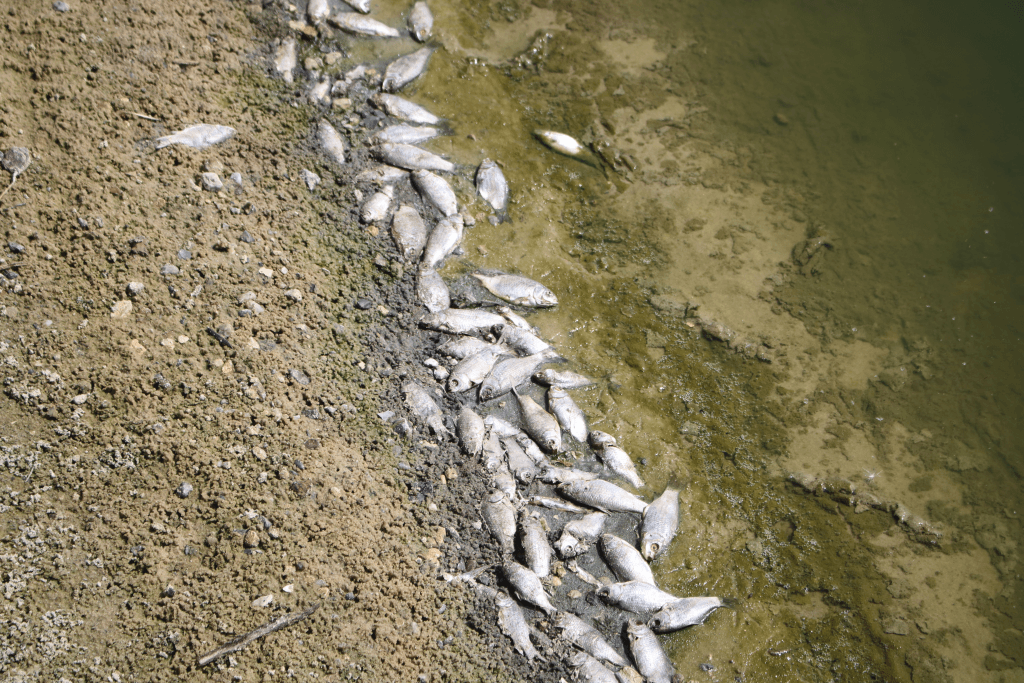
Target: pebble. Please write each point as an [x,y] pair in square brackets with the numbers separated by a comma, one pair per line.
[265,601]
[294,294]
[211,182]
[311,179]
[183,490]
[169,269]
[16,248]
[121,309]
[61,6]
[184,254]
[135,288]
[246,237]
[364,304]
[299,376]
[80,399]
[251,540]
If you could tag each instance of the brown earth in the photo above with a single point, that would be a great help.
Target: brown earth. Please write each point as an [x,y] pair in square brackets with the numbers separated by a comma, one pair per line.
[107,573]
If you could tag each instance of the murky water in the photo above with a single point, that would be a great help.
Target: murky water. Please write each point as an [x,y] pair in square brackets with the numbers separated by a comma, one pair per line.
[839,186]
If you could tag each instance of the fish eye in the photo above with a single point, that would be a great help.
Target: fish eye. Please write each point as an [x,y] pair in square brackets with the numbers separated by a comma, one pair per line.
[655,547]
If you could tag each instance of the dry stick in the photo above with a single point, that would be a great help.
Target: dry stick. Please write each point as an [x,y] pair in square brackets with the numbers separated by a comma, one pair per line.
[265,630]
[14,177]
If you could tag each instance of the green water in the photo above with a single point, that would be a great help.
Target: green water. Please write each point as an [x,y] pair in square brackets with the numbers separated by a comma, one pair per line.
[879,144]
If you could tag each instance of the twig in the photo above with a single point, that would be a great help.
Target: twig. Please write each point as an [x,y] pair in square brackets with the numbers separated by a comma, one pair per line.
[265,630]
[221,339]
[144,116]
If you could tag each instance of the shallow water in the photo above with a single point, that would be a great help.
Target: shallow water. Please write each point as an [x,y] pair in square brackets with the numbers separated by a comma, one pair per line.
[839,185]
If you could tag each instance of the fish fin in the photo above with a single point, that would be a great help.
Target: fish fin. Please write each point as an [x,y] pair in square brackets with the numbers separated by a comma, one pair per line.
[730,603]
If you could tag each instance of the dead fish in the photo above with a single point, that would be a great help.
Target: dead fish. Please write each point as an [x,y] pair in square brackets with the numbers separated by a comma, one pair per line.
[517,289]
[587,638]
[502,479]
[471,430]
[493,455]
[578,534]
[660,523]
[197,137]
[513,624]
[513,372]
[682,613]
[635,596]
[382,175]
[534,542]
[514,318]
[555,504]
[560,475]
[408,135]
[540,424]
[442,241]
[500,427]
[286,58]
[421,21]
[436,191]
[491,185]
[359,5]
[563,380]
[461,347]
[602,495]
[567,413]
[409,232]
[531,449]
[619,462]
[412,158]
[560,142]
[523,341]
[588,669]
[423,407]
[317,11]
[499,515]
[625,560]
[431,290]
[585,576]
[650,658]
[527,586]
[519,462]
[401,108]
[405,69]
[472,370]
[600,439]
[332,143]
[376,207]
[363,26]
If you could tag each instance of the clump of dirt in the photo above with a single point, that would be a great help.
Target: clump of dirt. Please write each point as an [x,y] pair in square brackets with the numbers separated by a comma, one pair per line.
[191,378]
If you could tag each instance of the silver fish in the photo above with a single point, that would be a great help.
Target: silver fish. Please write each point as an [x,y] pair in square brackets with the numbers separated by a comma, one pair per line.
[514,318]
[650,658]
[491,184]
[563,380]
[317,11]
[660,523]
[585,576]
[405,69]
[462,347]
[578,534]
[401,108]
[589,670]
[513,624]
[534,542]
[502,479]
[601,439]
[512,372]
[532,449]
[635,596]
[500,427]
[412,158]
[682,613]
[492,455]
[436,191]
[567,413]
[519,462]
[602,495]
[527,586]
[359,5]
[332,143]
[198,137]
[471,429]
[472,370]
[442,241]
[382,175]
[286,58]
[431,290]
[523,341]
[555,504]
[409,232]
[363,26]
[587,638]
[560,475]
[560,142]
[619,462]
[421,21]
[376,207]
[499,515]
[409,135]
[457,320]
[517,289]
[625,560]
[540,424]
[423,406]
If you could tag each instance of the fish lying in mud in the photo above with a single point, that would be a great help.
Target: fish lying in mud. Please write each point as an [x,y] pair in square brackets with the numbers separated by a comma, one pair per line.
[619,462]
[540,424]
[436,191]
[431,289]
[491,185]
[442,241]
[332,143]
[363,26]
[563,380]
[459,320]
[421,21]
[401,108]
[411,158]
[683,613]
[471,430]
[472,370]
[513,624]
[560,142]
[409,232]
[660,523]
[578,534]
[513,372]
[406,135]
[625,560]
[568,414]
[636,596]
[499,515]
[198,137]
[376,207]
[602,495]
[650,658]
[527,586]
[424,407]
[406,69]
[517,289]
[534,542]
[587,638]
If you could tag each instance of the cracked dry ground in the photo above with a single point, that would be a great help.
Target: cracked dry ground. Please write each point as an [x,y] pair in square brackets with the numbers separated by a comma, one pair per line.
[108,573]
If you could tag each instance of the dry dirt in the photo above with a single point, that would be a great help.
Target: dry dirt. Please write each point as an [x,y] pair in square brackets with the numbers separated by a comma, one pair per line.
[109,572]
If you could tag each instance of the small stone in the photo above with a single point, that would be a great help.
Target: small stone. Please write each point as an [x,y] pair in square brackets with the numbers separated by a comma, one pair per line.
[212,182]
[260,603]
[574,595]
[246,237]
[311,179]
[213,166]
[364,304]
[236,178]
[313,63]
[781,119]
[184,254]
[294,295]
[299,376]
[80,399]
[252,539]
[441,374]
[707,667]
[183,490]
[16,248]
[135,288]
[169,269]
[290,588]
[61,6]
[169,592]
[121,309]
[256,308]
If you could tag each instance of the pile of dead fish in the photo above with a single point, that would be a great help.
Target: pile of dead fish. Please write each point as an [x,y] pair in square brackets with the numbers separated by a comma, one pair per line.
[518,418]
